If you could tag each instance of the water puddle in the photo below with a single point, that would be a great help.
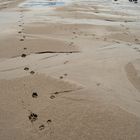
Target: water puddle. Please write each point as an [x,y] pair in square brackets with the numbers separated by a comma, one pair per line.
[41,4]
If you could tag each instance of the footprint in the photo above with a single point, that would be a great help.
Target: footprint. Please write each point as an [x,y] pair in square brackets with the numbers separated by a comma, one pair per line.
[26,68]
[56,93]
[61,77]
[52,96]
[23,55]
[96,12]
[25,48]
[98,84]
[72,43]
[117,42]
[136,40]
[129,44]
[22,39]
[33,117]
[41,127]
[34,95]
[65,74]
[136,48]
[19,32]
[32,72]
[85,34]
[49,121]
[66,62]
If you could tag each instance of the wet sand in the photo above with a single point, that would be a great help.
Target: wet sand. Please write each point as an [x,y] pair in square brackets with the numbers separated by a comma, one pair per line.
[70,72]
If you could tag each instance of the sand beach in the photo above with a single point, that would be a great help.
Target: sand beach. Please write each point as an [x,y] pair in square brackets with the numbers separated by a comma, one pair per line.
[69,70]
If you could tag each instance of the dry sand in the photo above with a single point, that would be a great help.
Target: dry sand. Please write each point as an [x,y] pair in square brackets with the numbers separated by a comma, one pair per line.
[70,72]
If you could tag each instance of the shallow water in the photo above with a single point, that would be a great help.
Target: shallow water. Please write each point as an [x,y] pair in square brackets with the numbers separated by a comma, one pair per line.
[41,3]
[106,9]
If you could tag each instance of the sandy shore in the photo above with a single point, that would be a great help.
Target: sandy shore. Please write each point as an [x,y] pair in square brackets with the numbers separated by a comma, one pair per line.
[70,72]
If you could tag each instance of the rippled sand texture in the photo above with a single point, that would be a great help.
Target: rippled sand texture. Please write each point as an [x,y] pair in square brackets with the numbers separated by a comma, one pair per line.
[69,70]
